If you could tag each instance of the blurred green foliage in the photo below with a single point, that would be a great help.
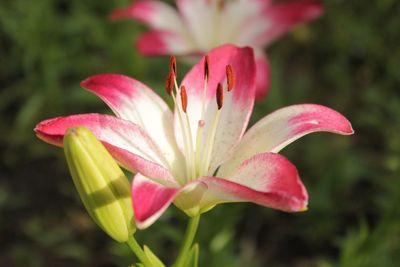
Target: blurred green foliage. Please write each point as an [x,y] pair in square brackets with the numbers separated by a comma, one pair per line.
[347,60]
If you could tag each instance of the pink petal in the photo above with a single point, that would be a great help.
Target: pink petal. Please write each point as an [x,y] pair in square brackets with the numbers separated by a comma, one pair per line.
[238,103]
[156,14]
[144,11]
[273,173]
[133,101]
[169,35]
[126,142]
[163,42]
[150,200]
[284,16]
[263,75]
[280,128]
[268,180]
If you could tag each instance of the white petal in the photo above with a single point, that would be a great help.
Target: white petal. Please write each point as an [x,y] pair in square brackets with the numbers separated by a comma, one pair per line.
[131,100]
[280,128]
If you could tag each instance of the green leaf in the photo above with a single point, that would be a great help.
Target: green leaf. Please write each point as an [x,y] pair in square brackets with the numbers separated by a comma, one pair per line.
[156,262]
[192,258]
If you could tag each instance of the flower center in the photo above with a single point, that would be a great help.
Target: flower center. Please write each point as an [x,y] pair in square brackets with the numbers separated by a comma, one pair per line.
[198,148]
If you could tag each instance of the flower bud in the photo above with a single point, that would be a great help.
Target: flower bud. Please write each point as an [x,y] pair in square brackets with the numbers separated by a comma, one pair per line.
[102,186]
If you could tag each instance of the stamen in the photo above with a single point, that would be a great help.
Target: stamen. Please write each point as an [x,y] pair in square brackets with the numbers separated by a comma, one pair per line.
[172,64]
[206,69]
[185,122]
[183,98]
[221,5]
[208,148]
[220,96]
[230,77]
[169,84]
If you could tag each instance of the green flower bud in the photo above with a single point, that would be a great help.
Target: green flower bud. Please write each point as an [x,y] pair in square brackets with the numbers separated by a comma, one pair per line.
[102,186]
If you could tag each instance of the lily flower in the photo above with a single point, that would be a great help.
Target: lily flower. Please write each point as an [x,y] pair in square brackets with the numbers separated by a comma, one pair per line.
[199,155]
[197,26]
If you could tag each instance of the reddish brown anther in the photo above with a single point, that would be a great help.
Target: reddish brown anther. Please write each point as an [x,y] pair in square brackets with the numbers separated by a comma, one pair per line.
[206,69]
[169,84]
[172,64]
[183,98]
[220,96]
[230,77]
[221,5]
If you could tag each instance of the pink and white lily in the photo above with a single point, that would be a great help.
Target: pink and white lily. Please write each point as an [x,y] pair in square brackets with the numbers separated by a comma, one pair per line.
[197,26]
[199,155]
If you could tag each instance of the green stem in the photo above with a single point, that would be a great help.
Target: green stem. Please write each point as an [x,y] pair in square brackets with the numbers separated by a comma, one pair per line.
[187,241]
[135,247]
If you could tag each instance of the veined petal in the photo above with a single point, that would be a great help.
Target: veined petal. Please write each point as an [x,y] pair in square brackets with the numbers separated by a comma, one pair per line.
[163,42]
[270,172]
[282,17]
[126,142]
[133,101]
[263,74]
[266,179]
[150,200]
[237,105]
[280,128]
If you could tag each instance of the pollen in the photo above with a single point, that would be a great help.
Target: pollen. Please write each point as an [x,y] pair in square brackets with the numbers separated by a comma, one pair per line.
[169,84]
[183,98]
[220,96]
[172,65]
[230,77]
[206,69]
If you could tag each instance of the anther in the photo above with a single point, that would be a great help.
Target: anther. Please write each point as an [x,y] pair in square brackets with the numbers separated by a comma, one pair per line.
[221,5]
[220,96]
[183,98]
[169,84]
[230,77]
[206,69]
[172,64]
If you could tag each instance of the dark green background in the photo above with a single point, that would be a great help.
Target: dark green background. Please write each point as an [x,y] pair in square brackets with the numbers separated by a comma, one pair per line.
[347,60]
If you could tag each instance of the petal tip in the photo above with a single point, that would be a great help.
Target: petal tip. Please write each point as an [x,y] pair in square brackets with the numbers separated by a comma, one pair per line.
[350,129]
[304,209]
[141,225]
[123,13]
[153,43]
[117,14]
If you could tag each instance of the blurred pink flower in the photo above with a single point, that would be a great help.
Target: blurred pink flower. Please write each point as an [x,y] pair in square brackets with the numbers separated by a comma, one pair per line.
[197,26]
[199,155]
